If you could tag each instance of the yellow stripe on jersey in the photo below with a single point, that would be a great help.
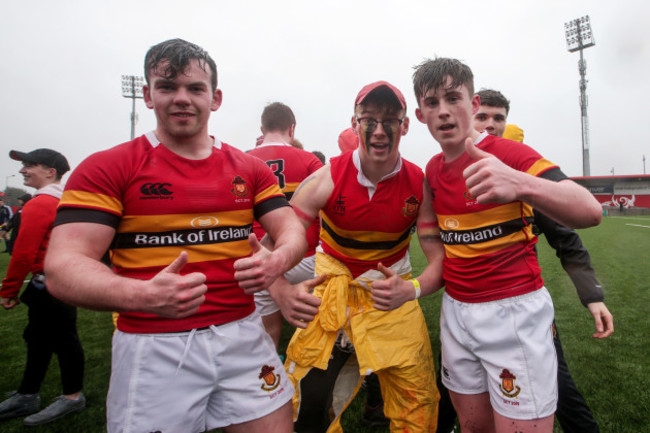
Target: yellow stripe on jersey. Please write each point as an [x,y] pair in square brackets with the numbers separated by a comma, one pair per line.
[90,199]
[153,223]
[485,232]
[362,245]
[268,192]
[164,255]
[540,166]
[291,187]
[495,215]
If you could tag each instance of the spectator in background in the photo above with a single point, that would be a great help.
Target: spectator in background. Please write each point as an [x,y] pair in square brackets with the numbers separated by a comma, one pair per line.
[52,324]
[6,213]
[11,232]
[348,140]
[291,165]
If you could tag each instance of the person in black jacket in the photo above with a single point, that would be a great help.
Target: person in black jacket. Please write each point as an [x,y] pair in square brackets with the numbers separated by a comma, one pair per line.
[14,224]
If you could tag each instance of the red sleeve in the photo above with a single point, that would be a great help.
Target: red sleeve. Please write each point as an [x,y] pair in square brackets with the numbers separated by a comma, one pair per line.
[29,250]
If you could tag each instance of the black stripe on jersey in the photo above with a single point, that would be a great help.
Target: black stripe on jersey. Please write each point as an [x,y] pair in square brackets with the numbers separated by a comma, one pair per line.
[484,234]
[75,215]
[269,205]
[361,245]
[181,238]
[554,174]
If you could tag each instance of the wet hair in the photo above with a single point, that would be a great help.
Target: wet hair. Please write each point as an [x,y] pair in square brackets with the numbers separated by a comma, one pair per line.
[277,117]
[177,55]
[433,73]
[493,98]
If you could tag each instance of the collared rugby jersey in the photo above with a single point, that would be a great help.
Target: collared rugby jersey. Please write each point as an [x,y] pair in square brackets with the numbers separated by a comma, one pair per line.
[290,166]
[361,231]
[489,248]
[161,204]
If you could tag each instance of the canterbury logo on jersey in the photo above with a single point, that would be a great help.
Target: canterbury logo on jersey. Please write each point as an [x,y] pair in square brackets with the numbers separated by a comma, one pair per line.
[182,237]
[483,234]
[160,190]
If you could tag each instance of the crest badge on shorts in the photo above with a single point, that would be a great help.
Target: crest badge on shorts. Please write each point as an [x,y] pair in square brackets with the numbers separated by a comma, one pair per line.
[271,380]
[507,386]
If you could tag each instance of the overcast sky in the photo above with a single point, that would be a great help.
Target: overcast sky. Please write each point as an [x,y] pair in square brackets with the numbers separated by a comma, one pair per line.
[62,63]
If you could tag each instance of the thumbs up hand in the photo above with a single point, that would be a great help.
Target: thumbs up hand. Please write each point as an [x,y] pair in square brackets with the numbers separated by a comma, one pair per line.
[296,302]
[488,179]
[391,292]
[170,294]
[258,271]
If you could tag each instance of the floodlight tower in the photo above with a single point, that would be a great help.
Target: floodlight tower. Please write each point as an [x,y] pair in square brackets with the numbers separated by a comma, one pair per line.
[132,88]
[578,37]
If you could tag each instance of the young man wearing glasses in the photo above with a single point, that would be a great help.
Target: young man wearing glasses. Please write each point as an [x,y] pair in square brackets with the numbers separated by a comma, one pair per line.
[369,201]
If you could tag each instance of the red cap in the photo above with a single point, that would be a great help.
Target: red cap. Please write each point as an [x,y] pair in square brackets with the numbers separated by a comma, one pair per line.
[374,86]
[348,140]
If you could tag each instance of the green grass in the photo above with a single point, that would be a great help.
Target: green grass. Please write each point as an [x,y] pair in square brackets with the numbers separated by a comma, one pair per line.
[612,374]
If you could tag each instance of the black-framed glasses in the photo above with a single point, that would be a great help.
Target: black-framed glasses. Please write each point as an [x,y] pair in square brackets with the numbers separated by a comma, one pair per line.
[388,124]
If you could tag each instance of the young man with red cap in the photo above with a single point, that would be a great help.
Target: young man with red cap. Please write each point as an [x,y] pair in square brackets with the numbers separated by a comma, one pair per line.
[176,208]
[496,317]
[52,325]
[290,165]
[369,200]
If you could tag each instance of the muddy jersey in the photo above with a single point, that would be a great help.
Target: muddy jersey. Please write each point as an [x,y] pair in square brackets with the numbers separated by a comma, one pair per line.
[290,166]
[489,248]
[161,204]
[361,231]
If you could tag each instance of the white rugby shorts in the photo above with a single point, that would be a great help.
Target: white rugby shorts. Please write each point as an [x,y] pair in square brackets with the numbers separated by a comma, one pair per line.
[304,270]
[503,347]
[195,381]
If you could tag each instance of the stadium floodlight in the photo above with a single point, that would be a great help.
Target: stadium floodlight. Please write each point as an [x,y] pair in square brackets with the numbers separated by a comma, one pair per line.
[578,37]
[132,88]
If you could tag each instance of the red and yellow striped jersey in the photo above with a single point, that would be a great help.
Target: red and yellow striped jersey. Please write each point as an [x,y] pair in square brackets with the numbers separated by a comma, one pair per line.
[161,204]
[489,248]
[361,231]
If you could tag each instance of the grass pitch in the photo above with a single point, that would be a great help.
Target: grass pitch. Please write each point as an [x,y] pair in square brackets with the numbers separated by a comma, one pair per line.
[612,374]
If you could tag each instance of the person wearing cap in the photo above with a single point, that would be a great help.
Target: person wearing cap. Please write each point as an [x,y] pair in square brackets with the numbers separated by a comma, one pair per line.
[572,412]
[175,207]
[368,200]
[52,324]
[14,224]
[496,316]
[291,165]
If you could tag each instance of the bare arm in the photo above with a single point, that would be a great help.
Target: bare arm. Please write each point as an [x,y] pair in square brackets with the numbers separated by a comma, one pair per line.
[297,304]
[257,272]
[76,276]
[392,292]
[492,181]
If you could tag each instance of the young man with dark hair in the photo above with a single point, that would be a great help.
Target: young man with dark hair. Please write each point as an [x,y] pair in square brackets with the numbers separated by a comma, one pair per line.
[492,113]
[484,189]
[52,324]
[368,200]
[572,412]
[290,165]
[176,207]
